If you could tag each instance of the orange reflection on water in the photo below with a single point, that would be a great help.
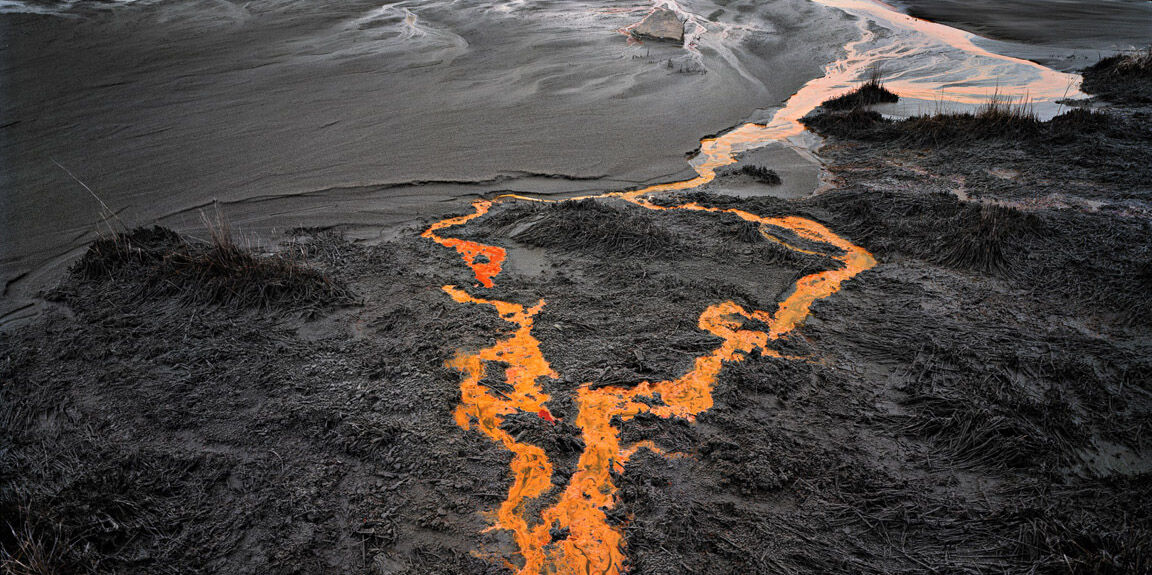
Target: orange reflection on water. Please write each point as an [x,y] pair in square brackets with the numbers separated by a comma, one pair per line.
[953,69]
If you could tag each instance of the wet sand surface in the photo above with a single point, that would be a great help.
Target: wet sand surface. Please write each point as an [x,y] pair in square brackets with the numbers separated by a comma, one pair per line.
[1100,25]
[1063,34]
[315,114]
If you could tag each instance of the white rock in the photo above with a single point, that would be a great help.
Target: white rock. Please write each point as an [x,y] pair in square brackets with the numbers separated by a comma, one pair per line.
[661,24]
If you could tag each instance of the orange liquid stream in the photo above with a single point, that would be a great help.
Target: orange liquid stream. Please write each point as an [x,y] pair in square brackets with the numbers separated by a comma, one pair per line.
[592,544]
[493,256]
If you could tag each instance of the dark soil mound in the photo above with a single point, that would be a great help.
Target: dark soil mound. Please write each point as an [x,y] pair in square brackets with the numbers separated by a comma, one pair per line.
[594,227]
[868,94]
[156,262]
[761,174]
[1121,78]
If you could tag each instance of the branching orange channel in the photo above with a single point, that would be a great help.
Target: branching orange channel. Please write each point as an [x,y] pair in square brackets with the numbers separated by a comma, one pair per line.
[592,545]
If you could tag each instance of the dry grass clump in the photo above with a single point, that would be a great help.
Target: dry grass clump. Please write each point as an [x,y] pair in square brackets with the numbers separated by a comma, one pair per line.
[1121,78]
[867,94]
[596,228]
[25,550]
[941,229]
[1002,116]
[747,232]
[161,263]
[1085,527]
[992,421]
[761,174]
[1137,64]
[978,239]
[1084,544]
[856,123]
[1081,120]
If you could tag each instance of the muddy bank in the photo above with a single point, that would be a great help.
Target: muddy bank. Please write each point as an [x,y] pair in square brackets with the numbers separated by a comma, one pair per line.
[1094,160]
[978,401]
[1122,78]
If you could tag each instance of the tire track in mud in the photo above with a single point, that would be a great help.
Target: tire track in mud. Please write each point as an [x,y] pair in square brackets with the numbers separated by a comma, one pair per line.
[591,544]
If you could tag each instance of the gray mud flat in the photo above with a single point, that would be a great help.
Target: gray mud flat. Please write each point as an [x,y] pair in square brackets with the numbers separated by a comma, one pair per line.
[1065,35]
[1065,23]
[318,113]
[978,402]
